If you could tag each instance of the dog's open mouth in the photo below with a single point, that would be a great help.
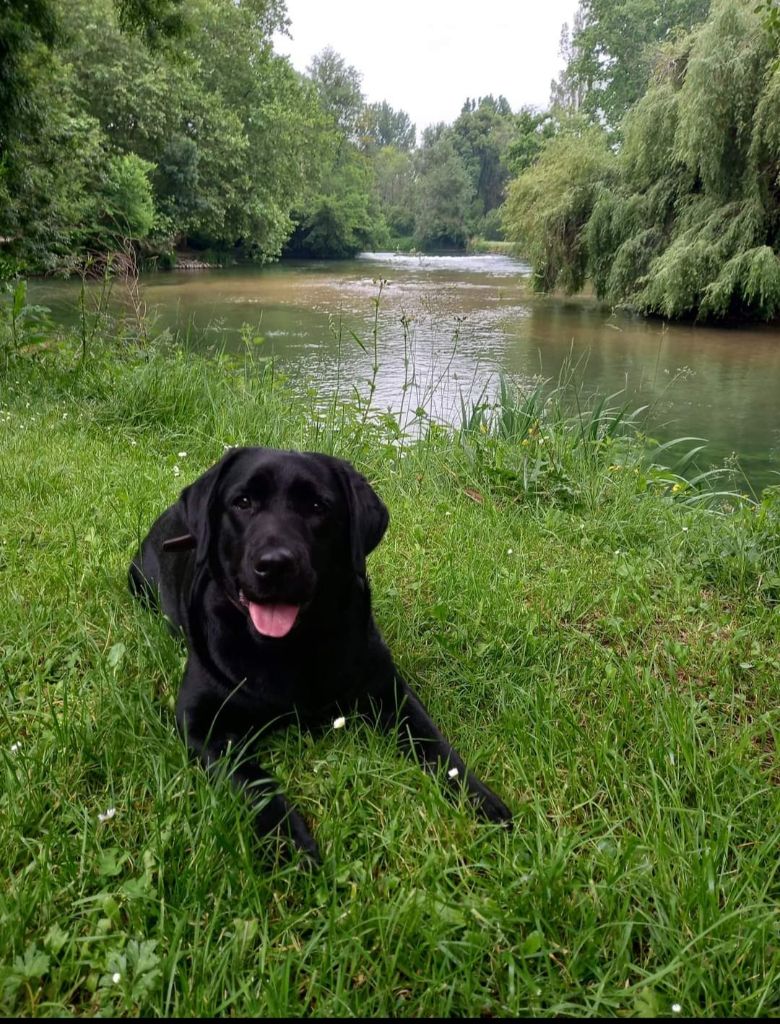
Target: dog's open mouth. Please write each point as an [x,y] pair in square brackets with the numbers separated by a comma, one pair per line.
[274,620]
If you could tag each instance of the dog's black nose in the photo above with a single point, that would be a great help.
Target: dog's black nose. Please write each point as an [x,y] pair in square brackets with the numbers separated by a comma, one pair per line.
[274,563]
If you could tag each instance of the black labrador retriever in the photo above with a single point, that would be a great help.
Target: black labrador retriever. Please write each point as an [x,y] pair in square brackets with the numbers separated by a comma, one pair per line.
[261,563]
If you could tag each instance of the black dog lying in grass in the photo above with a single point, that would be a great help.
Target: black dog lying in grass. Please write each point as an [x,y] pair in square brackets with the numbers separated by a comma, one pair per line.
[261,564]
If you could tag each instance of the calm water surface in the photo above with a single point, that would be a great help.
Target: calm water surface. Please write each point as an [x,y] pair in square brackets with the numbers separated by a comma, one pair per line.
[449,325]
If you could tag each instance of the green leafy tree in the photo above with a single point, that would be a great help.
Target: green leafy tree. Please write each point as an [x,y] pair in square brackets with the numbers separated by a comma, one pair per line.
[341,213]
[338,87]
[548,206]
[692,226]
[344,217]
[156,21]
[382,126]
[126,194]
[569,89]
[482,135]
[444,196]
[232,132]
[395,186]
[612,50]
[28,28]
[532,129]
[49,177]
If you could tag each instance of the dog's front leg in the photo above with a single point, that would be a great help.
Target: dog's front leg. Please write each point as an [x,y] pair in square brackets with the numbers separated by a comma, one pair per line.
[398,706]
[215,748]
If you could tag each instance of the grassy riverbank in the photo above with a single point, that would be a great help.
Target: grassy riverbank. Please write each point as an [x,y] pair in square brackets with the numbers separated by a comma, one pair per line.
[598,641]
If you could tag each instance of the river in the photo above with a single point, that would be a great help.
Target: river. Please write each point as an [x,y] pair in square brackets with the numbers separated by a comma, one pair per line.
[448,326]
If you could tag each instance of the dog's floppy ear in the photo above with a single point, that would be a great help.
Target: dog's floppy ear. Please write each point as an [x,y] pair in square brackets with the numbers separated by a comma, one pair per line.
[368,515]
[198,502]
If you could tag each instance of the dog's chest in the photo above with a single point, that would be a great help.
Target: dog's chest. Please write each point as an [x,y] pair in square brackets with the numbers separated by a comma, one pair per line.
[306,678]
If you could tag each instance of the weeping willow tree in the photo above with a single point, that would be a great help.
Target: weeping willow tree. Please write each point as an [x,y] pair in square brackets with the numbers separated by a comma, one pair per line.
[547,207]
[688,222]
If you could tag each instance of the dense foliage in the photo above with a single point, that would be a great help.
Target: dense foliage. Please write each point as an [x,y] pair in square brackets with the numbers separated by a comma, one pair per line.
[612,50]
[212,133]
[682,218]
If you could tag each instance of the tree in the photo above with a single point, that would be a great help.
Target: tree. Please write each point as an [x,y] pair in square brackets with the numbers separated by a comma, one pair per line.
[692,226]
[338,86]
[383,126]
[612,51]
[548,206]
[343,218]
[155,20]
[531,130]
[684,221]
[444,196]
[395,185]
[340,214]
[568,90]
[28,28]
[49,178]
[126,203]
[227,133]
[481,135]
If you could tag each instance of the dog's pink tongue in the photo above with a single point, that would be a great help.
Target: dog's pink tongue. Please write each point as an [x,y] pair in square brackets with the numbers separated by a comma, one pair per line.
[273,619]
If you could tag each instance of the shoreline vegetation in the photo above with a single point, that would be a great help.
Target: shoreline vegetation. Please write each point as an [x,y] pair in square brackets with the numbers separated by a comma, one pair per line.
[652,177]
[188,260]
[596,632]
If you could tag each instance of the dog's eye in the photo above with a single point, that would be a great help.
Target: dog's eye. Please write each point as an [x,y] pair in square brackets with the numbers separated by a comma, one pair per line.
[318,506]
[242,502]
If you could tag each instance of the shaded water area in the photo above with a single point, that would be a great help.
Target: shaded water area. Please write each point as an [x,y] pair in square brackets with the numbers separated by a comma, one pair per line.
[448,326]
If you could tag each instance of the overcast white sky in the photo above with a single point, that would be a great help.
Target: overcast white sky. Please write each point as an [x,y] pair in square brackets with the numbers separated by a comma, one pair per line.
[427,56]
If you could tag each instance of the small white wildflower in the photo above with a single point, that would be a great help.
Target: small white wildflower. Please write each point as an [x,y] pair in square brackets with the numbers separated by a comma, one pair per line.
[339,723]
[176,471]
[684,530]
[676,1008]
[510,551]
[107,815]
[64,415]
[133,443]
[15,748]
[182,455]
[453,773]
[448,513]
[116,977]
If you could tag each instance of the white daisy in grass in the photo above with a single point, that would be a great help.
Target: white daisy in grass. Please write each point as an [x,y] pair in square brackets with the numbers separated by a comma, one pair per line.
[107,815]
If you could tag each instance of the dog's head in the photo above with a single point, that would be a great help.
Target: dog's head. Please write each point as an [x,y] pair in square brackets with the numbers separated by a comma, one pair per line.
[277,529]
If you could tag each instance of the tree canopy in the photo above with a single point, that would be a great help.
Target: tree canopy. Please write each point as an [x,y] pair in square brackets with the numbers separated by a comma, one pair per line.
[225,135]
[612,48]
[682,218]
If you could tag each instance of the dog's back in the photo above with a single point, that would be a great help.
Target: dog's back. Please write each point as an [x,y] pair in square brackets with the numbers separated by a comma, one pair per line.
[162,578]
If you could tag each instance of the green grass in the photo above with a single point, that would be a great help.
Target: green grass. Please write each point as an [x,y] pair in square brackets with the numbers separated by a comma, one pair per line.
[599,641]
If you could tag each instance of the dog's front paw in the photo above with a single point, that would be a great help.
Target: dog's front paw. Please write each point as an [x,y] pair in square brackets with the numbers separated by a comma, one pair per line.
[496,810]
[490,805]
[304,841]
